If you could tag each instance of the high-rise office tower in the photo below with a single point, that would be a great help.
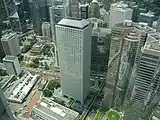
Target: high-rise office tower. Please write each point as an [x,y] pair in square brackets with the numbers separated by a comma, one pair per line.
[39,14]
[5,112]
[94,9]
[135,14]
[75,8]
[15,12]
[118,13]
[59,10]
[158,25]
[46,31]
[27,11]
[2,54]
[117,37]
[84,11]
[126,42]
[74,49]
[104,15]
[35,18]
[43,10]
[12,65]
[146,18]
[125,66]
[100,50]
[97,23]
[144,89]
[10,43]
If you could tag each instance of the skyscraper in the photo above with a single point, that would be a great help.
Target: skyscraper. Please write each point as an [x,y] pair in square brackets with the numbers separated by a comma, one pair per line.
[2,54]
[59,10]
[46,31]
[126,63]
[74,49]
[94,9]
[146,18]
[39,14]
[158,25]
[118,13]
[27,11]
[10,43]
[100,50]
[5,112]
[75,8]
[84,11]
[118,33]
[43,9]
[143,92]
[15,12]
[126,42]
[35,17]
[12,65]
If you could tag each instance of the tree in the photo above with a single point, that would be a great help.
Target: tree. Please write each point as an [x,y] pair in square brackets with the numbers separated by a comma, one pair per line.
[53,84]
[47,93]
[57,85]
[50,85]
[46,66]
[21,58]
[3,73]
[20,42]
[26,48]
[33,40]
[35,60]
[33,65]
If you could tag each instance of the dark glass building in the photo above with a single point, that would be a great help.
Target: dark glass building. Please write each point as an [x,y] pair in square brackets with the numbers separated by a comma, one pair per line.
[2,54]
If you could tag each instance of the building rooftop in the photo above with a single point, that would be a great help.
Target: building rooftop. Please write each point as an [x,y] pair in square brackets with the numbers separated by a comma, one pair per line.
[38,47]
[21,90]
[84,5]
[132,36]
[152,45]
[54,110]
[149,14]
[71,22]
[101,31]
[92,19]
[119,4]
[95,1]
[9,58]
[123,9]
[15,15]
[8,36]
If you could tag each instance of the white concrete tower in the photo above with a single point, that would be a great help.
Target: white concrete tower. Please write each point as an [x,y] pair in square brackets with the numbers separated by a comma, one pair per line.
[74,50]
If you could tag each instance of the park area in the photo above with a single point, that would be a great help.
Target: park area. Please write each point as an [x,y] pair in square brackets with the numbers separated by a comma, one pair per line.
[113,115]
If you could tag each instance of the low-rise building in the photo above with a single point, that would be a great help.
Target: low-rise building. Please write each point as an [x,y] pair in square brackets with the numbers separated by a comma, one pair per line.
[37,48]
[22,89]
[42,85]
[50,110]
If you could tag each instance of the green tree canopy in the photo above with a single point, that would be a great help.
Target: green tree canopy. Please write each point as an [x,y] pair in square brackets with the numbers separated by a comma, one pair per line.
[47,93]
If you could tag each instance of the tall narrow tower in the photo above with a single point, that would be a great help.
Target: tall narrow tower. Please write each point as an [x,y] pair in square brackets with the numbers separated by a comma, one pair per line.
[144,90]
[5,112]
[74,52]
[2,54]
[15,12]
[75,8]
